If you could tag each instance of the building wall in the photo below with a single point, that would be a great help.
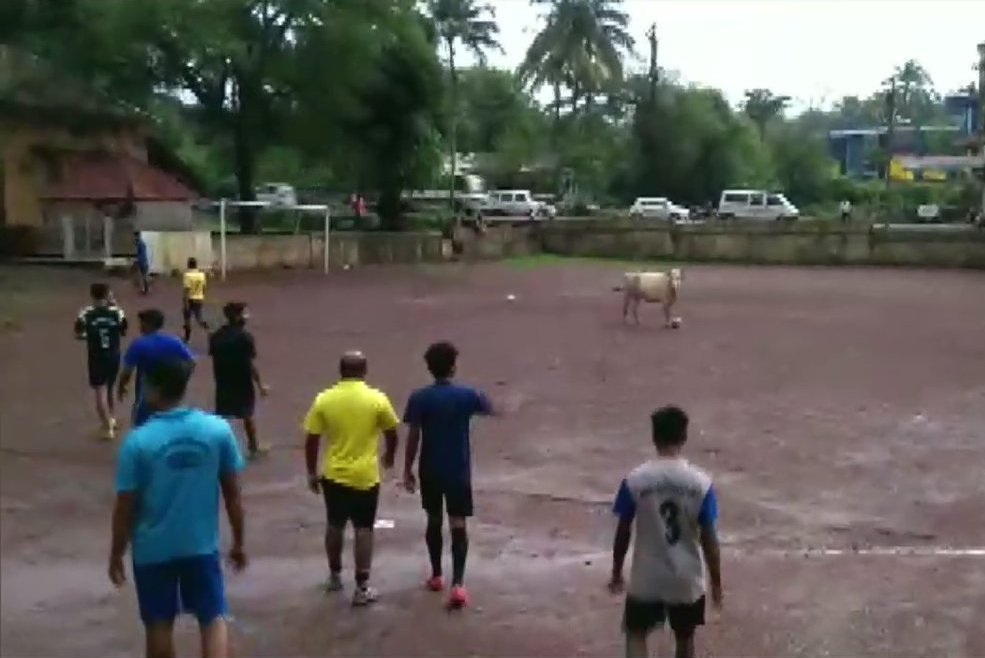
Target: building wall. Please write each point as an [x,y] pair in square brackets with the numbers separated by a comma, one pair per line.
[25,174]
[806,244]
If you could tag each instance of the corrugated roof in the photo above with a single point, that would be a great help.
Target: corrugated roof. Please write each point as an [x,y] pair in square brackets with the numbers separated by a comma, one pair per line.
[102,176]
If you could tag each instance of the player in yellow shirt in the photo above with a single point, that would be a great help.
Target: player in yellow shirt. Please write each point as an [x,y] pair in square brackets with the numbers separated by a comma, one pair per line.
[346,421]
[193,298]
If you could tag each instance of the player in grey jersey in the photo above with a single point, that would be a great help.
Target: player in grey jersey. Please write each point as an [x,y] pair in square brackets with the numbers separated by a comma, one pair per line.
[674,508]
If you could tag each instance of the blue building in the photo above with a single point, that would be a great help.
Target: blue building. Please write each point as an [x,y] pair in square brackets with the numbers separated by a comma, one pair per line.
[853,148]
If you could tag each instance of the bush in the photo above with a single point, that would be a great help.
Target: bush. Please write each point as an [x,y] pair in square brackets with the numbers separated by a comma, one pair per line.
[18,241]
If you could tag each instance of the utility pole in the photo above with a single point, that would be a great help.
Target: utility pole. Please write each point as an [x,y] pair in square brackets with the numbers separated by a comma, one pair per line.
[654,72]
[890,126]
[981,118]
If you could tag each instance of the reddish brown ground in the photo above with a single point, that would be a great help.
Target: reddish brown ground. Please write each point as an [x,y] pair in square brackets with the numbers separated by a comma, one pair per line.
[835,408]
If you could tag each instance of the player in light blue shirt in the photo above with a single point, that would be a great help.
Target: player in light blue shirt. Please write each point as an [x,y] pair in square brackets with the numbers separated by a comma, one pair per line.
[169,474]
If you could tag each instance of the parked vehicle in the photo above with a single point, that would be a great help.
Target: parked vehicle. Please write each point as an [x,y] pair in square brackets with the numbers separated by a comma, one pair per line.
[470,195]
[658,208]
[277,194]
[755,205]
[517,203]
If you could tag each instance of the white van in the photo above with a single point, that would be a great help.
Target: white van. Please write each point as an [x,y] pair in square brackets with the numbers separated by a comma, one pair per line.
[517,203]
[755,204]
[277,194]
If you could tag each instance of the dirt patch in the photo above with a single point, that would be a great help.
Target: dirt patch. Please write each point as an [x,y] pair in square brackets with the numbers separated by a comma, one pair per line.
[836,408]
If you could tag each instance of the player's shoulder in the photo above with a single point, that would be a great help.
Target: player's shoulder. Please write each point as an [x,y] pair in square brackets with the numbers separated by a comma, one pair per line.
[378,394]
[208,423]
[86,311]
[698,472]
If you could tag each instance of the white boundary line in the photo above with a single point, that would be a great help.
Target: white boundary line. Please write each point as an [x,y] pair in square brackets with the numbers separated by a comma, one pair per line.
[879,551]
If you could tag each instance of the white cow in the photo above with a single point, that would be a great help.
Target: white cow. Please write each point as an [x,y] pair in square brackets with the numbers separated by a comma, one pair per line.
[662,287]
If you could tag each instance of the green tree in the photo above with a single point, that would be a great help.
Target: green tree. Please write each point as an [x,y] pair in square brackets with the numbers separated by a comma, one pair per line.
[581,47]
[462,22]
[763,106]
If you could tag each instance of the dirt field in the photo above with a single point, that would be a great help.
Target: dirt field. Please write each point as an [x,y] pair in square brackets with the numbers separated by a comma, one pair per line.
[837,409]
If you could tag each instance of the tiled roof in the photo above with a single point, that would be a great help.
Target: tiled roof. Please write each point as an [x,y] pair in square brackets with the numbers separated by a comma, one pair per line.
[102,176]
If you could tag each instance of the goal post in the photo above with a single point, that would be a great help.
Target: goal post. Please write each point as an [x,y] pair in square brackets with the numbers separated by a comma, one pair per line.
[314,209]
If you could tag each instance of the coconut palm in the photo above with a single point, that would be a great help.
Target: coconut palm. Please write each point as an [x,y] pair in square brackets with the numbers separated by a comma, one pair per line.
[473,25]
[581,47]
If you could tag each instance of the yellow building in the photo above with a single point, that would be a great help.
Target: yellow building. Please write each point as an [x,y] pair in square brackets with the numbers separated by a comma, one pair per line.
[82,181]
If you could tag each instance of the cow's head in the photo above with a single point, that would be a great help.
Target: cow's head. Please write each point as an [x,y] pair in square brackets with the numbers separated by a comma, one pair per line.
[676,277]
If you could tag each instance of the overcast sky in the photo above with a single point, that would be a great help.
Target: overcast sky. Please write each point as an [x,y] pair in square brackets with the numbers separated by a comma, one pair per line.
[813,50]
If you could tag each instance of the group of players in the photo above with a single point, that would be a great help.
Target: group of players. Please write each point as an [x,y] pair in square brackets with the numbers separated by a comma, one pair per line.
[176,460]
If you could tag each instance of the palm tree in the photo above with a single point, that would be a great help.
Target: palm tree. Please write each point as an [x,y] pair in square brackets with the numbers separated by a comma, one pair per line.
[762,106]
[464,22]
[581,47]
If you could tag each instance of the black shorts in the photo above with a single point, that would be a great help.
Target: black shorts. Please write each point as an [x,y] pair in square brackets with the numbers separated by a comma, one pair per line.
[192,309]
[344,504]
[235,402]
[103,370]
[438,493]
[644,616]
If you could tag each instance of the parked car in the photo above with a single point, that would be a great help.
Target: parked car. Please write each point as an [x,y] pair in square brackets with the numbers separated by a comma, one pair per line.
[517,203]
[277,194]
[658,208]
[756,205]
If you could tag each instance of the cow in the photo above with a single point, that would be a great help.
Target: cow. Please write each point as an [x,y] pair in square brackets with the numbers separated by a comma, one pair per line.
[662,287]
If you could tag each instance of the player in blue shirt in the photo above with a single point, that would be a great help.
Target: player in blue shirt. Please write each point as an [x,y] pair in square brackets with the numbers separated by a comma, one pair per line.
[141,264]
[169,474]
[438,418]
[153,346]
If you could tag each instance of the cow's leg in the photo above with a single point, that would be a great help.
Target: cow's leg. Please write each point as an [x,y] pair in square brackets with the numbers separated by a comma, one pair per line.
[625,305]
[636,311]
[667,306]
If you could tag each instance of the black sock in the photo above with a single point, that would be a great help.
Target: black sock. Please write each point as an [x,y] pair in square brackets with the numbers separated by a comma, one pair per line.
[188,333]
[459,551]
[434,541]
[362,577]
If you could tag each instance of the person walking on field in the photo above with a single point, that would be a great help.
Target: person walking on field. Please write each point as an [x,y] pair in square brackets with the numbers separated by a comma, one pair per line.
[345,422]
[193,298]
[169,475]
[237,378]
[438,418]
[101,325]
[141,264]
[150,348]
[674,509]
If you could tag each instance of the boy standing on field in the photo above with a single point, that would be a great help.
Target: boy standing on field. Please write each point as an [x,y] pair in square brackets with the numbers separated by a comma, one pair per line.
[101,325]
[193,298]
[674,508]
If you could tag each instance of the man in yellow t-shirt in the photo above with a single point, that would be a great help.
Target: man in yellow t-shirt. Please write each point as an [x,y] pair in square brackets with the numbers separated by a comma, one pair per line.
[193,297]
[346,421]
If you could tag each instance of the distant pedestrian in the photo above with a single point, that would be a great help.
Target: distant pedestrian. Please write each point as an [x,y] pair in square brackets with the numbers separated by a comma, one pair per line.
[101,325]
[348,419]
[169,474]
[438,418]
[846,210]
[150,348]
[193,298]
[237,378]
[673,506]
[141,264]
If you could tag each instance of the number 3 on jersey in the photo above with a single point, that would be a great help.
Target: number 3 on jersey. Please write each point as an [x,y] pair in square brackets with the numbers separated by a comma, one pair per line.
[670,513]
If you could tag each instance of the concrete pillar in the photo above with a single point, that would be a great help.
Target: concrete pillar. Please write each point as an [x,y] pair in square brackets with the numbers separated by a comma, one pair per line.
[68,238]
[107,237]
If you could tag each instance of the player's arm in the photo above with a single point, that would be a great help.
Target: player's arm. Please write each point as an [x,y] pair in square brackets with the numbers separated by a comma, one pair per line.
[130,360]
[124,325]
[254,370]
[185,289]
[80,326]
[388,424]
[412,417]
[314,429]
[710,547]
[483,406]
[123,510]
[624,508]
[230,465]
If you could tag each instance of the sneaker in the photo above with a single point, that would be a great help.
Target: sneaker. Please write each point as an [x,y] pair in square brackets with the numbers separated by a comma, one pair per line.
[334,583]
[364,596]
[261,451]
[459,597]
[435,583]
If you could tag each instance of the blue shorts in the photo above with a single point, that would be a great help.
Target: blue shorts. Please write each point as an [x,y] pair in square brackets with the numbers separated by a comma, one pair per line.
[190,585]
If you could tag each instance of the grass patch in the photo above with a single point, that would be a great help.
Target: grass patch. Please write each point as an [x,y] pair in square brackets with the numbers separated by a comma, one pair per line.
[535,261]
